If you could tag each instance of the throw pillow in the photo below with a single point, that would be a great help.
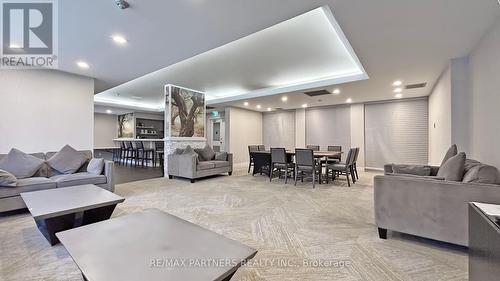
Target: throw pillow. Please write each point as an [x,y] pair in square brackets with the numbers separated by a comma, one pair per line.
[205,154]
[20,164]
[418,170]
[221,156]
[96,165]
[7,179]
[482,174]
[452,151]
[179,151]
[453,169]
[469,164]
[67,160]
[189,150]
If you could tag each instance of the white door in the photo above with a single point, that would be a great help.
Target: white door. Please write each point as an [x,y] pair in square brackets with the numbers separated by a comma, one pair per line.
[217,135]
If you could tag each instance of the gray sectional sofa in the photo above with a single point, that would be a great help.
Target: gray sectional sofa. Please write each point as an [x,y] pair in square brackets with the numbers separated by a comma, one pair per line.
[48,178]
[190,164]
[431,206]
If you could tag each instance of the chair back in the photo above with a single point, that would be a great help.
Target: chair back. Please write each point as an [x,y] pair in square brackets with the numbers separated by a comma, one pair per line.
[128,145]
[139,145]
[336,148]
[278,155]
[350,157]
[313,147]
[356,156]
[122,145]
[304,157]
[262,147]
[159,145]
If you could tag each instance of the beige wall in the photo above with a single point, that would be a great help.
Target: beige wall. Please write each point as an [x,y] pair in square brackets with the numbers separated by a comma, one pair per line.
[278,129]
[105,129]
[243,128]
[485,98]
[440,118]
[358,131]
[43,110]
[300,127]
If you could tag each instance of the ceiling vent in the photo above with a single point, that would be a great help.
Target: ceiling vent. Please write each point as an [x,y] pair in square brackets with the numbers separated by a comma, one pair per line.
[415,86]
[318,93]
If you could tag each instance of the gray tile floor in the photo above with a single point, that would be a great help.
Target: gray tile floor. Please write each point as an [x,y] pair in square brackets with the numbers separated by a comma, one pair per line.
[294,225]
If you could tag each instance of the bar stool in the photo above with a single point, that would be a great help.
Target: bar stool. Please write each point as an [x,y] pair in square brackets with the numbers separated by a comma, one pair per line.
[143,154]
[159,148]
[130,153]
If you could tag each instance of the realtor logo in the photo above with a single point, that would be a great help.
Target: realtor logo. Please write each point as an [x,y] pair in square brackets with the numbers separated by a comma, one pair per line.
[29,34]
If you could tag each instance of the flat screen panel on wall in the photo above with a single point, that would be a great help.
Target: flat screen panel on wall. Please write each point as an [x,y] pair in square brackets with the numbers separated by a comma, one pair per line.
[396,132]
[329,126]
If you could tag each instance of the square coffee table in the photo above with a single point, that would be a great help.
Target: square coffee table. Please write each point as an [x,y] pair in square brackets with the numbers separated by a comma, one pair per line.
[155,246]
[60,209]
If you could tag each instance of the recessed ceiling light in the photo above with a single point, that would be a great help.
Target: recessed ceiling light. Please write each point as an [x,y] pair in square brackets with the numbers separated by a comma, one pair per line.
[258,106]
[119,39]
[269,109]
[349,100]
[109,111]
[304,105]
[398,96]
[284,98]
[336,91]
[398,90]
[82,64]
[245,103]
[397,83]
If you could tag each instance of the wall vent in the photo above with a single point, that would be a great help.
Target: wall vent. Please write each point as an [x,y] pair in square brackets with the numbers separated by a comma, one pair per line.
[415,86]
[317,93]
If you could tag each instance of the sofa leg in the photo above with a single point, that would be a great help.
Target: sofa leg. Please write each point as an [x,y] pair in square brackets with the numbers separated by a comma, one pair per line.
[382,233]
[230,173]
[170,177]
[193,180]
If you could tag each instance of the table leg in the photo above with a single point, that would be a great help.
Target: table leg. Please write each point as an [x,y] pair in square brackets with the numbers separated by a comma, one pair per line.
[49,227]
[97,215]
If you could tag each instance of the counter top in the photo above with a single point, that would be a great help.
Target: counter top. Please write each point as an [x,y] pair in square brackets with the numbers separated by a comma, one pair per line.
[146,140]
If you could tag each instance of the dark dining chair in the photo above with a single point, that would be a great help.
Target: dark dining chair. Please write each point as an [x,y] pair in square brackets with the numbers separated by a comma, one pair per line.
[143,154]
[305,164]
[313,147]
[262,147]
[159,148]
[354,167]
[129,152]
[251,148]
[280,163]
[336,148]
[343,168]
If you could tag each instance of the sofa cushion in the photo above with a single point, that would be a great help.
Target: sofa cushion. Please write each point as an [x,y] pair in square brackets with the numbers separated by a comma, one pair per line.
[27,185]
[469,164]
[7,179]
[205,165]
[220,156]
[452,151]
[95,166]
[67,160]
[206,153]
[20,164]
[219,164]
[453,168]
[482,174]
[417,170]
[78,179]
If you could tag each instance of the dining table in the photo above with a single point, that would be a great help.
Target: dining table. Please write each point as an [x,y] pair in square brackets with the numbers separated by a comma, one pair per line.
[262,159]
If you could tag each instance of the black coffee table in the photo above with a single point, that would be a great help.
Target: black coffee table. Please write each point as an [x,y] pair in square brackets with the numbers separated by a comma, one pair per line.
[60,209]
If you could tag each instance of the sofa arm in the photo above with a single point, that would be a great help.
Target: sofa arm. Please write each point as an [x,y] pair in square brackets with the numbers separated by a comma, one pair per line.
[388,169]
[428,207]
[230,160]
[109,173]
[182,165]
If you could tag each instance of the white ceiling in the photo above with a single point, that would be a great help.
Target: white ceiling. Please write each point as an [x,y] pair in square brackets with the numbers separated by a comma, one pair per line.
[306,51]
[394,39]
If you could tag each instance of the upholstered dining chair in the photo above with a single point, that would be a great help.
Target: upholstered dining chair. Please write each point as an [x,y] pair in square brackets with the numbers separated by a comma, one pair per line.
[313,147]
[279,162]
[305,164]
[343,168]
[354,166]
[262,147]
[251,148]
